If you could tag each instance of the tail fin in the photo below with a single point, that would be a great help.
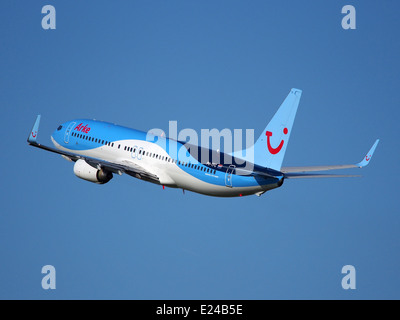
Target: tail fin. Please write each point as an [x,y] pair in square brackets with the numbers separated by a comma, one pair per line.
[270,147]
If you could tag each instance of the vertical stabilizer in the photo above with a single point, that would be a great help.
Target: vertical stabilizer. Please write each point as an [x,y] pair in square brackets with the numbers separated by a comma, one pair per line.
[270,147]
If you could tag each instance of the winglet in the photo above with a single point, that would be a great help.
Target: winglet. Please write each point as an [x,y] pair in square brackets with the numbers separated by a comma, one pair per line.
[35,129]
[368,156]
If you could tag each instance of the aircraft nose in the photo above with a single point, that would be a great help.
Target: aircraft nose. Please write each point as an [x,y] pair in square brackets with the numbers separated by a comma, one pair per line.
[58,133]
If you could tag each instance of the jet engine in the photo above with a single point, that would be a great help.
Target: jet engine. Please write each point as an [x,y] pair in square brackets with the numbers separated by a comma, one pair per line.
[85,171]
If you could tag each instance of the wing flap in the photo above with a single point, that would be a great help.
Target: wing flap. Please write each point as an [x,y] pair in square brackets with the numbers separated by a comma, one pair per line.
[289,170]
[316,168]
[316,175]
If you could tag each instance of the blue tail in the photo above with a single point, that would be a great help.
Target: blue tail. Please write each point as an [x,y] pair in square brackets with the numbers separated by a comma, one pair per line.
[270,147]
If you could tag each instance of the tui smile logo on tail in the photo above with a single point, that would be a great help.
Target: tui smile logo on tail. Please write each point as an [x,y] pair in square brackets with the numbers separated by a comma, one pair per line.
[277,149]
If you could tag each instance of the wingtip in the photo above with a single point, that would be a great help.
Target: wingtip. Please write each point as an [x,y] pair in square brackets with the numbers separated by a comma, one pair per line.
[35,130]
[368,156]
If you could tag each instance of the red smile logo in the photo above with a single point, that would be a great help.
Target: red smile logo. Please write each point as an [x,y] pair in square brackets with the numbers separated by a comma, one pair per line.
[34,134]
[277,149]
[367,157]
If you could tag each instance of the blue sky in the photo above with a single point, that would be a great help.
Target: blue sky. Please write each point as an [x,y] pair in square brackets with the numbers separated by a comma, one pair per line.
[205,64]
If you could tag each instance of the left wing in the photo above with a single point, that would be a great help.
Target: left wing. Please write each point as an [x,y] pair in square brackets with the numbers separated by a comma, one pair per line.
[125,166]
[302,172]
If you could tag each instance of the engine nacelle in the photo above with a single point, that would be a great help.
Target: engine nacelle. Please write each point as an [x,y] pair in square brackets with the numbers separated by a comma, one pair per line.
[86,172]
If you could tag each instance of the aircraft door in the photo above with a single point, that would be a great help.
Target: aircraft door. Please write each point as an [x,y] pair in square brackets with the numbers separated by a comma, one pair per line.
[68,131]
[228,176]
[139,155]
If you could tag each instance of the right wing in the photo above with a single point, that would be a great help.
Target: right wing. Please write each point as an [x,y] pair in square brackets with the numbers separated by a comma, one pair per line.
[302,172]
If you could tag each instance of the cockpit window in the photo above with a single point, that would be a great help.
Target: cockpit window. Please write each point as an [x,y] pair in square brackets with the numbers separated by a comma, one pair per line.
[59,128]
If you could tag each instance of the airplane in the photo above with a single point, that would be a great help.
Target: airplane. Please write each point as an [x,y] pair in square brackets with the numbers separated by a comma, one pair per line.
[101,149]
